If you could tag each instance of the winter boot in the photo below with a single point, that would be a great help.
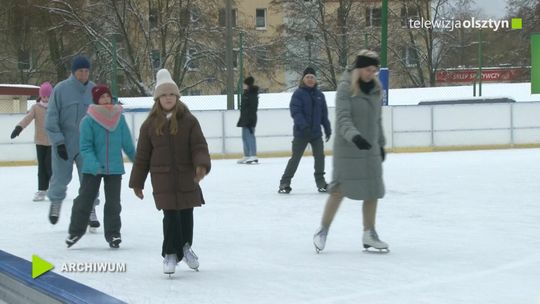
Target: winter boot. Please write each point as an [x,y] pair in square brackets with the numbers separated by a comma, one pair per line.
[93,221]
[169,263]
[191,259]
[39,196]
[371,239]
[54,212]
[319,239]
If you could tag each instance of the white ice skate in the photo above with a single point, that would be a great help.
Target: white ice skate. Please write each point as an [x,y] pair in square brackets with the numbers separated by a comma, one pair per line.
[54,212]
[243,160]
[319,239]
[371,240]
[39,196]
[169,264]
[252,160]
[191,259]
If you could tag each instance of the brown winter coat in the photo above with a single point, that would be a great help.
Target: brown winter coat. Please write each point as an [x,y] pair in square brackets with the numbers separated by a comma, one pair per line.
[171,161]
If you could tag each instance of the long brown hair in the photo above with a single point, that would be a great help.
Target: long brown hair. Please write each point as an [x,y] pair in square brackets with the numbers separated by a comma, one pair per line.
[158,116]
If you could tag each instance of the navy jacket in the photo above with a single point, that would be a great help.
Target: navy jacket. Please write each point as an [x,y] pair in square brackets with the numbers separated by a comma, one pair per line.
[308,109]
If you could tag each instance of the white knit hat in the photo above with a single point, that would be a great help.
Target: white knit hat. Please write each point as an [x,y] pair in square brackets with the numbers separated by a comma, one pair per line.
[165,84]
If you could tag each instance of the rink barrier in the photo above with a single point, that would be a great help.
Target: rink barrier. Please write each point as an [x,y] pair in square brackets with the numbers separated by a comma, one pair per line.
[18,286]
[329,152]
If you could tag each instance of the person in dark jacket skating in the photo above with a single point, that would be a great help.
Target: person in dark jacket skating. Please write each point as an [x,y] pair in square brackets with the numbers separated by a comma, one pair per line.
[248,120]
[309,111]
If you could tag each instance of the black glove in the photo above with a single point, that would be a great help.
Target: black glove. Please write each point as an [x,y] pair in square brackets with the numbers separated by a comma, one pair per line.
[327,138]
[16,132]
[62,152]
[251,129]
[383,154]
[361,143]
[307,132]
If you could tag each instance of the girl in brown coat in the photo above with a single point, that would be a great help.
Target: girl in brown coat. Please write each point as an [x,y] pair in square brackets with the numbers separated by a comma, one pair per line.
[173,149]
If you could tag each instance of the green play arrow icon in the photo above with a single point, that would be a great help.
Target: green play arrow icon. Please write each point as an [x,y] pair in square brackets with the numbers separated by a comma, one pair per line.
[40,266]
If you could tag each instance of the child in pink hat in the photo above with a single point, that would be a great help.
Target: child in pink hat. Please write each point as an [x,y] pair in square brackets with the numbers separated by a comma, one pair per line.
[43,147]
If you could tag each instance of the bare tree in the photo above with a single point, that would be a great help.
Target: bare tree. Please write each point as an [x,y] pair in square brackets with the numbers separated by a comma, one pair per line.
[322,34]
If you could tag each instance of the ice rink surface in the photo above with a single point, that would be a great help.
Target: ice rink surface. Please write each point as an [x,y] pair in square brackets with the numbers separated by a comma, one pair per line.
[463,227]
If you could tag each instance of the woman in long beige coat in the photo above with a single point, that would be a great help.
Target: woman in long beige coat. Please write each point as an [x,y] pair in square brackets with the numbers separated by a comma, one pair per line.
[358,148]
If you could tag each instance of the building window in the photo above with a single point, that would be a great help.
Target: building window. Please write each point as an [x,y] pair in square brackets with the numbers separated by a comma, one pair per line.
[194,14]
[409,56]
[24,61]
[222,17]
[260,18]
[153,19]
[373,16]
[155,58]
[191,61]
[408,13]
[262,56]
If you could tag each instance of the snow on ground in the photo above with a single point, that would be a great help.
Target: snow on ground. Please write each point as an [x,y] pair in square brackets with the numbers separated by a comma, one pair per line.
[462,227]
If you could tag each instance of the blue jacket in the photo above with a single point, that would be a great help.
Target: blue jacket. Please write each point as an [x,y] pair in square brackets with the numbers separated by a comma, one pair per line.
[308,110]
[102,145]
[68,105]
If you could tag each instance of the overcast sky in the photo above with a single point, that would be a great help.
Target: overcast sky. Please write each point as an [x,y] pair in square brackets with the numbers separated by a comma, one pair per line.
[492,8]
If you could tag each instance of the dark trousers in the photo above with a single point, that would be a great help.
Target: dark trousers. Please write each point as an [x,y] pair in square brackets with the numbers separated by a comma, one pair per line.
[83,203]
[44,166]
[177,230]
[298,147]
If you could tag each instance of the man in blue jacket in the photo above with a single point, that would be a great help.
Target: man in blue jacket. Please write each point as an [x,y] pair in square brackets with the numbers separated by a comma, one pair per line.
[309,111]
[68,105]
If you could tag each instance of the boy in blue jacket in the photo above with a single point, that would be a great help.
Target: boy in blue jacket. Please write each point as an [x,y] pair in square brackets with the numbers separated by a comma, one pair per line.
[103,135]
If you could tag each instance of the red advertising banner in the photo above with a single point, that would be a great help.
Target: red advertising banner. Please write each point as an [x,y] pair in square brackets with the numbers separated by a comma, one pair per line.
[488,75]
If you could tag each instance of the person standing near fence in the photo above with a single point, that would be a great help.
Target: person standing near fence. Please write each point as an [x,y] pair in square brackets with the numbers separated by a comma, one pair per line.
[67,107]
[358,149]
[43,147]
[248,121]
[309,111]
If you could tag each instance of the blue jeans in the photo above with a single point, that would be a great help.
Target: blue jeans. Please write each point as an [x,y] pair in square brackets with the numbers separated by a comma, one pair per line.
[250,144]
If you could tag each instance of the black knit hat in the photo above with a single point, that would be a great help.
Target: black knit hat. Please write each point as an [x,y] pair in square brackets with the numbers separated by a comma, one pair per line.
[365,61]
[309,70]
[249,81]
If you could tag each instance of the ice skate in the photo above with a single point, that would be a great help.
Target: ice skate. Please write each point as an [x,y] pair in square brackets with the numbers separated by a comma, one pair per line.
[39,196]
[252,160]
[114,241]
[319,239]
[284,189]
[191,259]
[169,264]
[93,222]
[371,240]
[323,189]
[72,239]
[54,212]
[242,161]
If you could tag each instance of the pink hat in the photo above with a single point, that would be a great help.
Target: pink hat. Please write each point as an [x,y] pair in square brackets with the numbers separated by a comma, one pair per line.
[45,89]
